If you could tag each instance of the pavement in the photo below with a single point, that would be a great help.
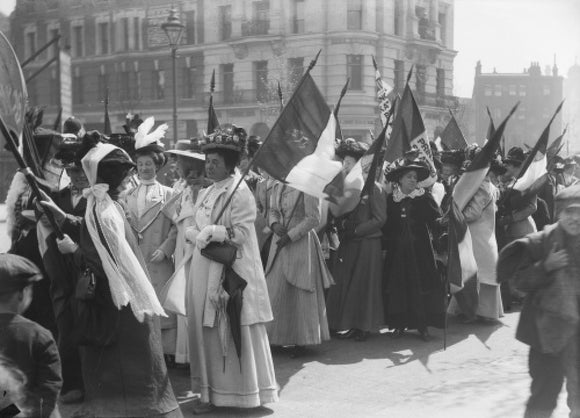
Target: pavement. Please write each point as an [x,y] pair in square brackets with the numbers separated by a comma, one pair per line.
[482,374]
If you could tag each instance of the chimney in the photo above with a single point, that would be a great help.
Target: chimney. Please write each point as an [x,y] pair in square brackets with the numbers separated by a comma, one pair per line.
[478,68]
[555,68]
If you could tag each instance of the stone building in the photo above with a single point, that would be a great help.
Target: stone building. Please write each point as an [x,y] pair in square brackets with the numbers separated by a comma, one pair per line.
[252,45]
[539,96]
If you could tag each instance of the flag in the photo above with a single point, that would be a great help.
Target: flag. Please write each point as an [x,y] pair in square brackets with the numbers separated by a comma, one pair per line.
[555,147]
[58,120]
[533,173]
[212,120]
[409,133]
[361,178]
[452,137]
[383,92]
[461,264]
[299,149]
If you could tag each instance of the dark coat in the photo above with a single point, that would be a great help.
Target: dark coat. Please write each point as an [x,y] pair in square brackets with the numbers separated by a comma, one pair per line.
[550,314]
[413,288]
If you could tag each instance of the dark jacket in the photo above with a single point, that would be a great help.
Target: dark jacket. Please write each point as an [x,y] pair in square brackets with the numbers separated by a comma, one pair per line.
[550,314]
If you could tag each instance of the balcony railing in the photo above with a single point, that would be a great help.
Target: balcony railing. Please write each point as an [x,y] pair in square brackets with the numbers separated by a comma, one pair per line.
[255,27]
[436,100]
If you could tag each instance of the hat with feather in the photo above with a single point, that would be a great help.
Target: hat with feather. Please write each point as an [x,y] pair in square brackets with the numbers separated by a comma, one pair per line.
[350,147]
[148,142]
[410,162]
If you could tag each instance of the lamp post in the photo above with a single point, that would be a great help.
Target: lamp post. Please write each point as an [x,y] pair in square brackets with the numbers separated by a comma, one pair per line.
[173,28]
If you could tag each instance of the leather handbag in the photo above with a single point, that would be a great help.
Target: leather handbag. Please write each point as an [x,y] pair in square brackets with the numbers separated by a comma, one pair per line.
[86,285]
[221,252]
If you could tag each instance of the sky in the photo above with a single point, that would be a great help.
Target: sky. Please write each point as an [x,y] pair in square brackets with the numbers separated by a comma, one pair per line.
[504,34]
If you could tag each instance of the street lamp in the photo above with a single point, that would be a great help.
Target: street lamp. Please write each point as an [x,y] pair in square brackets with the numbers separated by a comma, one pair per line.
[173,28]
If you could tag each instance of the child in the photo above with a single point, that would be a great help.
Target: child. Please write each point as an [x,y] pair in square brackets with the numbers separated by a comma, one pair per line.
[546,266]
[29,347]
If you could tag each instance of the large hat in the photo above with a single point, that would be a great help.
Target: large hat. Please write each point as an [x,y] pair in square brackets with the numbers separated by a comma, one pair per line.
[569,162]
[231,138]
[352,148]
[496,166]
[569,197]
[68,147]
[407,163]
[148,141]
[73,126]
[16,273]
[188,148]
[515,156]
[132,123]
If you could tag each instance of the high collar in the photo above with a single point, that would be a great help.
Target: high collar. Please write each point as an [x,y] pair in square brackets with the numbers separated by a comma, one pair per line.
[148,182]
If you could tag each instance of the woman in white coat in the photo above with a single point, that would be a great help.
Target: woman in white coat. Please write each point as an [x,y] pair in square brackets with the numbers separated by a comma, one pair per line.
[221,374]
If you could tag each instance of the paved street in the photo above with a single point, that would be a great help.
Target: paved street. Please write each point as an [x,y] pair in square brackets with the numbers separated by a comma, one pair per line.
[482,373]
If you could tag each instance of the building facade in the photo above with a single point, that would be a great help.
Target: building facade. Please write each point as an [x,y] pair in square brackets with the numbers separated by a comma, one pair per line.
[572,111]
[539,96]
[251,45]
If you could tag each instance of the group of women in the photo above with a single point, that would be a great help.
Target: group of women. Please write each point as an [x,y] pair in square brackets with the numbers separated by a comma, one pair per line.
[198,247]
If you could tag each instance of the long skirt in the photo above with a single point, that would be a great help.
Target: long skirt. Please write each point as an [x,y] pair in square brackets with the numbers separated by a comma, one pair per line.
[128,378]
[182,343]
[216,371]
[299,314]
[355,301]
[489,306]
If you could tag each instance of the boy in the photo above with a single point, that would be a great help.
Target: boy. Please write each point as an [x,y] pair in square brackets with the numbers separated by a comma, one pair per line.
[29,347]
[546,267]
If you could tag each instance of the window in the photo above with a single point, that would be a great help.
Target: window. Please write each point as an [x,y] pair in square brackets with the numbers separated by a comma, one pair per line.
[136,33]
[77,87]
[261,14]
[398,18]
[193,77]
[443,27]
[497,90]
[54,91]
[521,113]
[124,87]
[546,90]
[487,90]
[298,17]
[135,85]
[354,15]
[53,51]
[399,76]
[225,15]
[261,80]
[512,90]
[354,70]
[158,85]
[125,34]
[522,90]
[103,84]
[103,33]
[295,70]
[191,128]
[440,87]
[227,71]
[77,41]
[420,81]
[190,27]
[30,44]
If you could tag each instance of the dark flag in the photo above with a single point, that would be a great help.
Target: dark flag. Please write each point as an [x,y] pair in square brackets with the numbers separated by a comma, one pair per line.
[107,128]
[337,108]
[212,120]
[299,149]
[58,120]
[452,137]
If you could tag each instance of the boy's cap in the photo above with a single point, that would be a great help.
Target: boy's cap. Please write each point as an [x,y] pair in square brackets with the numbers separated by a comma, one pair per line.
[16,273]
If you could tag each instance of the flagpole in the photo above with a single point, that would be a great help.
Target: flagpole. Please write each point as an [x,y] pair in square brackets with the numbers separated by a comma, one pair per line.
[342,94]
[280,97]
[251,163]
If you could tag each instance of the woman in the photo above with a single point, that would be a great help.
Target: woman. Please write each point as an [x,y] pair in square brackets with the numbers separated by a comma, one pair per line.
[296,271]
[480,214]
[355,302]
[222,374]
[151,220]
[414,291]
[190,164]
[121,354]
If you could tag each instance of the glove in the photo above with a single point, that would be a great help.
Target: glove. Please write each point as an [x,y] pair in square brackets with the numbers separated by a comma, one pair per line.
[191,233]
[66,245]
[284,241]
[219,233]
[204,237]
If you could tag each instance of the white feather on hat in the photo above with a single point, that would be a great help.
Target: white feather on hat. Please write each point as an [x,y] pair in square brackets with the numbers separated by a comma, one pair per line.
[143,138]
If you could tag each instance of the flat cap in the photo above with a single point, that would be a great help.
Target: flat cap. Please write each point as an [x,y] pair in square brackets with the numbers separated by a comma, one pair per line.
[16,273]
